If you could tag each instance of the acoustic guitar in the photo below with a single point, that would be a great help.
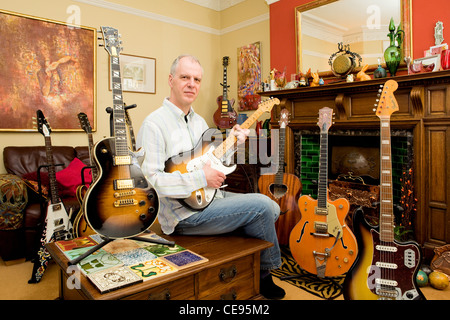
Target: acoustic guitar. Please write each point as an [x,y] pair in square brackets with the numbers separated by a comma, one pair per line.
[321,243]
[385,268]
[120,203]
[80,226]
[210,148]
[283,188]
[225,116]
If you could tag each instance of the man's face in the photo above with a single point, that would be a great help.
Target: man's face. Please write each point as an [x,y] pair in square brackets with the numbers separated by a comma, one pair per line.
[185,83]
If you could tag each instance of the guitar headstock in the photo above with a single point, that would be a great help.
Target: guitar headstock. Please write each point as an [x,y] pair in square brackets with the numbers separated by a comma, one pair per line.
[43,126]
[266,106]
[284,118]
[325,119]
[225,61]
[111,41]
[387,104]
[84,122]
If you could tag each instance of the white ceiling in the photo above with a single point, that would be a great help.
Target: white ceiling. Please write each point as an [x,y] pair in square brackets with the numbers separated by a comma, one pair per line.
[217,5]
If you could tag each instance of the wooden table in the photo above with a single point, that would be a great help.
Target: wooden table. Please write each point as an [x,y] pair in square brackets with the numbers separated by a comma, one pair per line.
[232,272]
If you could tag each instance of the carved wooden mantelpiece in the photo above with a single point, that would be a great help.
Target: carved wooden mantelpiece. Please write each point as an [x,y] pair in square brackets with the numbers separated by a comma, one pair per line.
[424,108]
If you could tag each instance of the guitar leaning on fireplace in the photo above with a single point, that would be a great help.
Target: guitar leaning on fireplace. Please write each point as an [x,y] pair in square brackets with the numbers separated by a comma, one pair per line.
[57,224]
[80,225]
[385,268]
[120,203]
[225,116]
[321,243]
[283,188]
[205,151]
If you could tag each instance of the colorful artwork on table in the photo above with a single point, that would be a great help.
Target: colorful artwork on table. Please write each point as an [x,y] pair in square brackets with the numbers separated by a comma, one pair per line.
[113,278]
[134,256]
[98,261]
[153,268]
[184,259]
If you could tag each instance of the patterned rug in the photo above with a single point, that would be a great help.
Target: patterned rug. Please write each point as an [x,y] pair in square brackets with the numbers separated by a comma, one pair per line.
[326,288]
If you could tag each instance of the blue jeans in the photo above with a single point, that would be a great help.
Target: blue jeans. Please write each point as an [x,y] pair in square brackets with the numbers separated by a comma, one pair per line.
[254,213]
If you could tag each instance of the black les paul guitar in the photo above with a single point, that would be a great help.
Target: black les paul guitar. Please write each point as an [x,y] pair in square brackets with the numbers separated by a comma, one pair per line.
[385,268]
[120,203]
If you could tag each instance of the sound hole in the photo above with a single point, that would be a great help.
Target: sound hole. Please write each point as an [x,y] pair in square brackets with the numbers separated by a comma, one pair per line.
[278,190]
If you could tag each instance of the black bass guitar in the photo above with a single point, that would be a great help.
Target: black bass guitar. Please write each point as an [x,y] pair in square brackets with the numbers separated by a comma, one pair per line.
[120,203]
[385,269]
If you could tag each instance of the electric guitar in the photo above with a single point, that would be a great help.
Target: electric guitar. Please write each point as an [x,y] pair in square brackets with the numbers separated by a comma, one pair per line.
[205,151]
[385,268]
[80,225]
[283,188]
[120,203]
[321,243]
[225,116]
[58,226]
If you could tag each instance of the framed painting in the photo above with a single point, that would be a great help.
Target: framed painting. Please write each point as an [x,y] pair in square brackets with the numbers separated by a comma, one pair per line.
[46,65]
[249,76]
[138,74]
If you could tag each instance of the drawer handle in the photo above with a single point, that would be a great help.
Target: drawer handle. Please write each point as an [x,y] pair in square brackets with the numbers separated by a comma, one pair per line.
[229,296]
[164,295]
[226,275]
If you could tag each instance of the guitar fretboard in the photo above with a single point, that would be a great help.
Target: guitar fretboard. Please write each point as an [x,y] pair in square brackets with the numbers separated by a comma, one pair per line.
[323,171]
[279,175]
[54,194]
[119,124]
[386,206]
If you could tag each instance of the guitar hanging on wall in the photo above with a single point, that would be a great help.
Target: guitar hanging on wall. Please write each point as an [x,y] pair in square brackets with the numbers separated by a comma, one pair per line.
[283,188]
[120,203]
[205,151]
[321,242]
[385,268]
[225,116]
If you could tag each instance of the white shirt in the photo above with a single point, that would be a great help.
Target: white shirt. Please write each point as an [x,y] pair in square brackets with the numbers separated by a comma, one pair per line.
[164,134]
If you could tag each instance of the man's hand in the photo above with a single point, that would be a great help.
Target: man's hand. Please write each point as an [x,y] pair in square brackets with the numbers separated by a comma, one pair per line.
[240,134]
[214,178]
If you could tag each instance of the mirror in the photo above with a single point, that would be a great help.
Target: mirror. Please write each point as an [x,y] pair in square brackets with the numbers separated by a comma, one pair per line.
[361,24]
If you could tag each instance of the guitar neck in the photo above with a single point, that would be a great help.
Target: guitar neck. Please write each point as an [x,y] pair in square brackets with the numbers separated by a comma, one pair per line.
[386,206]
[280,172]
[91,156]
[323,171]
[119,125]
[54,195]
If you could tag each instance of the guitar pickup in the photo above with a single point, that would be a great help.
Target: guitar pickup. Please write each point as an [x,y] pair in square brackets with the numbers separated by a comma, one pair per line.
[122,160]
[123,184]
[321,227]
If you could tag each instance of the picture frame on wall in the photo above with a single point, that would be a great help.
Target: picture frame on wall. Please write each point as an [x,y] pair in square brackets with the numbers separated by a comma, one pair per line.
[47,65]
[138,74]
[249,76]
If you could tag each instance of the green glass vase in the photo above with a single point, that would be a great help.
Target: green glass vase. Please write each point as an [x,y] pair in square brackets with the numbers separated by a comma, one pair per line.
[393,53]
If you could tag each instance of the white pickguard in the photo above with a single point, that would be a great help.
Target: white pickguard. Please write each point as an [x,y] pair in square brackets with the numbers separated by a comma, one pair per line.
[198,163]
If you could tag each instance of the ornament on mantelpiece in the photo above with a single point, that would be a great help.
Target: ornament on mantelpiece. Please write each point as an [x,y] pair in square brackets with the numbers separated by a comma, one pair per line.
[439,33]
[393,53]
[379,72]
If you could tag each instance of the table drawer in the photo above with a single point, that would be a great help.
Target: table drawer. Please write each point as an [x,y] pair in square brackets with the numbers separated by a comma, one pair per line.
[228,281]
[182,289]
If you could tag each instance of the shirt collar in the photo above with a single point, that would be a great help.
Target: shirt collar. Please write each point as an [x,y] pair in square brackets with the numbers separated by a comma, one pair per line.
[177,111]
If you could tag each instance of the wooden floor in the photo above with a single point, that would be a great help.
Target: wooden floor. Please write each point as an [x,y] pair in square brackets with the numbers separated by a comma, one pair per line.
[14,276]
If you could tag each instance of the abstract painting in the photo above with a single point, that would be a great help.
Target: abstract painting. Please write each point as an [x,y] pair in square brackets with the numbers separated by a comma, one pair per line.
[249,76]
[46,65]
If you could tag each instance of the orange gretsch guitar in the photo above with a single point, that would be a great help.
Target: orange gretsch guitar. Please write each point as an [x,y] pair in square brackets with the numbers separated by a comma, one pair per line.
[225,116]
[321,243]
[120,203]
[283,188]
[385,268]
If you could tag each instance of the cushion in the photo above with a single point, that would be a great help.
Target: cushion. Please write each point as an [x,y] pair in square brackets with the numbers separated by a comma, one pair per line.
[67,179]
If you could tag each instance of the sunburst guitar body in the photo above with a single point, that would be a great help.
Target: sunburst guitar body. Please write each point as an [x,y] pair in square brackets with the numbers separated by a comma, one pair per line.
[321,242]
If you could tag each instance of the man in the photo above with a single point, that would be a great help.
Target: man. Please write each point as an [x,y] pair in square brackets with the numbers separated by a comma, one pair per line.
[176,128]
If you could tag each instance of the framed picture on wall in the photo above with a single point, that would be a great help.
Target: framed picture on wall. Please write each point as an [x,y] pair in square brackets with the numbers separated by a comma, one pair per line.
[249,76]
[138,74]
[47,65]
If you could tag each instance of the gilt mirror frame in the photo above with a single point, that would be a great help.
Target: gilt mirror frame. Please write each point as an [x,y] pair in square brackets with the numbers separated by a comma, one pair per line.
[405,9]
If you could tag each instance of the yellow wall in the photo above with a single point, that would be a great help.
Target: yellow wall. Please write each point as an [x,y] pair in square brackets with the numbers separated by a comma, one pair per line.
[185,28]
